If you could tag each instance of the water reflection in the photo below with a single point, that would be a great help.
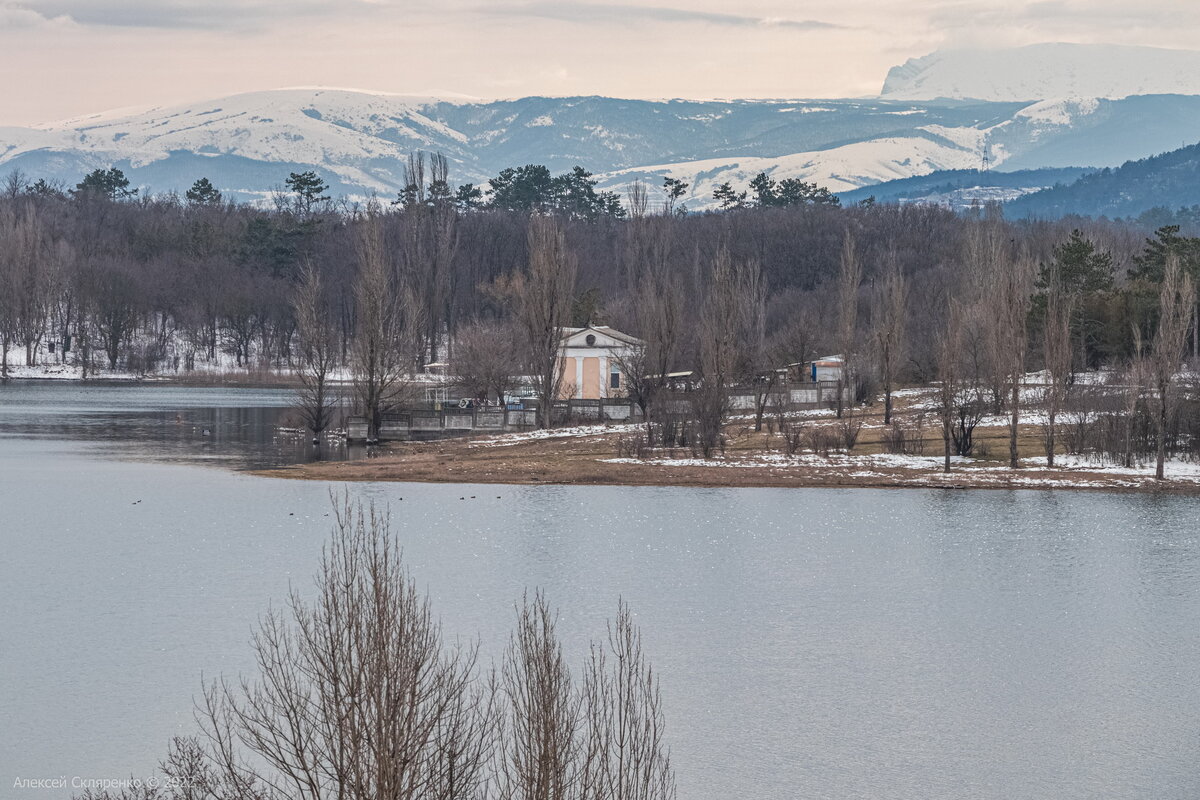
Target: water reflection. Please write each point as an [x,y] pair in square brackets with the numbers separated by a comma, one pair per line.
[242,428]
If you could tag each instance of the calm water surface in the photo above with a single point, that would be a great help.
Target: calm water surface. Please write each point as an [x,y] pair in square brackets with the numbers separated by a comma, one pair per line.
[811,643]
[235,427]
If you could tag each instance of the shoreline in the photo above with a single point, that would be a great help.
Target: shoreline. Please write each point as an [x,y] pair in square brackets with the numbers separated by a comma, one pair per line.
[593,460]
[195,382]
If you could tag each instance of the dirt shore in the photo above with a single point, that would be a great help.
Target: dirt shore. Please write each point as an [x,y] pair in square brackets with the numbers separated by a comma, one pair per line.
[595,456]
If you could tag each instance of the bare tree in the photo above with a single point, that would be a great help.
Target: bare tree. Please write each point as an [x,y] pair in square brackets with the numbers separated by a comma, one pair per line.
[1134,383]
[429,241]
[627,755]
[637,199]
[849,279]
[15,184]
[1057,351]
[950,388]
[1011,304]
[387,323]
[1175,317]
[760,355]
[486,361]
[318,351]
[356,696]
[27,262]
[988,272]
[540,299]
[720,334]
[8,293]
[542,740]
[656,299]
[112,308]
[890,317]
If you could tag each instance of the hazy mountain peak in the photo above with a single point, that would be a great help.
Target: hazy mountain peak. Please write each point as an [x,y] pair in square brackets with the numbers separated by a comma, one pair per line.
[1045,71]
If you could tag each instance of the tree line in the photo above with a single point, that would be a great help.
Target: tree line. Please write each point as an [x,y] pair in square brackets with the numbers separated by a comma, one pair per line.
[112,279]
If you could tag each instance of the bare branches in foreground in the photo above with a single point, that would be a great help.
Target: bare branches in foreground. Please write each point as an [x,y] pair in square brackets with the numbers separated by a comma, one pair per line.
[357,694]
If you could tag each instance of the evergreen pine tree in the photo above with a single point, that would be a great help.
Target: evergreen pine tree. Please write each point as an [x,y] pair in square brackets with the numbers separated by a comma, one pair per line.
[308,188]
[763,187]
[203,193]
[468,197]
[110,184]
[728,198]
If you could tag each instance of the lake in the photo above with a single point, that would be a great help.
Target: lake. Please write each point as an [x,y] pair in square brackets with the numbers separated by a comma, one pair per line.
[810,642]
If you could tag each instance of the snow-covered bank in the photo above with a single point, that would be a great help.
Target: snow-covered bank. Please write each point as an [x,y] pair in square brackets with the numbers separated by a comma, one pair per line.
[509,439]
[71,372]
[894,469]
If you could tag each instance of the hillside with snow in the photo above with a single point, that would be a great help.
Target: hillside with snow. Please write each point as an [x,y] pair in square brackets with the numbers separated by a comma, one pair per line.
[247,144]
[1045,71]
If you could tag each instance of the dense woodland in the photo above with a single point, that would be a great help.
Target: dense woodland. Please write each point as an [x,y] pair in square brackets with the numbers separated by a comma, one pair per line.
[910,294]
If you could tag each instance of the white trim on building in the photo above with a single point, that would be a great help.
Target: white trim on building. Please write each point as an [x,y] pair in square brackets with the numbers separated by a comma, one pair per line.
[590,362]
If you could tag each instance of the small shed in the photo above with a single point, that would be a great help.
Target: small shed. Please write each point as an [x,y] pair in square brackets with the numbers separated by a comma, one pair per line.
[822,370]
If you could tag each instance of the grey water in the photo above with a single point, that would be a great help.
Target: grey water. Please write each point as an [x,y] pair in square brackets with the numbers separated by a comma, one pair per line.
[810,642]
[237,427]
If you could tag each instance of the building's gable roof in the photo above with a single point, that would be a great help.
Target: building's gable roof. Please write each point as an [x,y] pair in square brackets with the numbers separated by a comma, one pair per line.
[605,337]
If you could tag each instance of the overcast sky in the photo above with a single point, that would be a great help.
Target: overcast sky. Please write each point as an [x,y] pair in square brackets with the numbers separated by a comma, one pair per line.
[62,58]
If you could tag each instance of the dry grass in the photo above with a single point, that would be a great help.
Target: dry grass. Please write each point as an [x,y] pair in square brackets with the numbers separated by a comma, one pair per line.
[586,460]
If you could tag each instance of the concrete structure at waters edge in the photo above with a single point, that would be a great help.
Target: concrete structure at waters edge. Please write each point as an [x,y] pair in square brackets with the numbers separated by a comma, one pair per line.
[590,362]
[435,420]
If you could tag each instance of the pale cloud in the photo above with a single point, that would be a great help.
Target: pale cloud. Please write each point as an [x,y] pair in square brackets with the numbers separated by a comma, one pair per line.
[1164,23]
[203,14]
[69,57]
[18,18]
[632,14]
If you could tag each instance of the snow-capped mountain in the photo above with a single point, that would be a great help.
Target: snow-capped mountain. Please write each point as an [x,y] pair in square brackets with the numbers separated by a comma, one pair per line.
[1045,134]
[245,144]
[358,141]
[837,169]
[1044,71]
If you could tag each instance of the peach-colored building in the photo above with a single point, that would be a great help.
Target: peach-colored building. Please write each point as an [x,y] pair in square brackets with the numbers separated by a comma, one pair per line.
[590,362]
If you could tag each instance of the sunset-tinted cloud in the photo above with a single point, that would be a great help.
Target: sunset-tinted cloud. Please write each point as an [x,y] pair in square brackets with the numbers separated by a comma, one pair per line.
[66,57]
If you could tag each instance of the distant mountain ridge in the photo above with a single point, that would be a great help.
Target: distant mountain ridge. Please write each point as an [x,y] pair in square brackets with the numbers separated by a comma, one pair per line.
[1170,180]
[247,144]
[964,188]
[1160,188]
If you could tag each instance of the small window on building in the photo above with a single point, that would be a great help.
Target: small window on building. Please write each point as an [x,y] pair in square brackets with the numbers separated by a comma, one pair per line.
[614,379]
[591,340]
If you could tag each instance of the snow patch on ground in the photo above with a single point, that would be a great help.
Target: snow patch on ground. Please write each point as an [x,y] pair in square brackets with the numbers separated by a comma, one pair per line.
[1172,469]
[833,460]
[508,439]
[799,413]
[1069,471]
[66,372]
